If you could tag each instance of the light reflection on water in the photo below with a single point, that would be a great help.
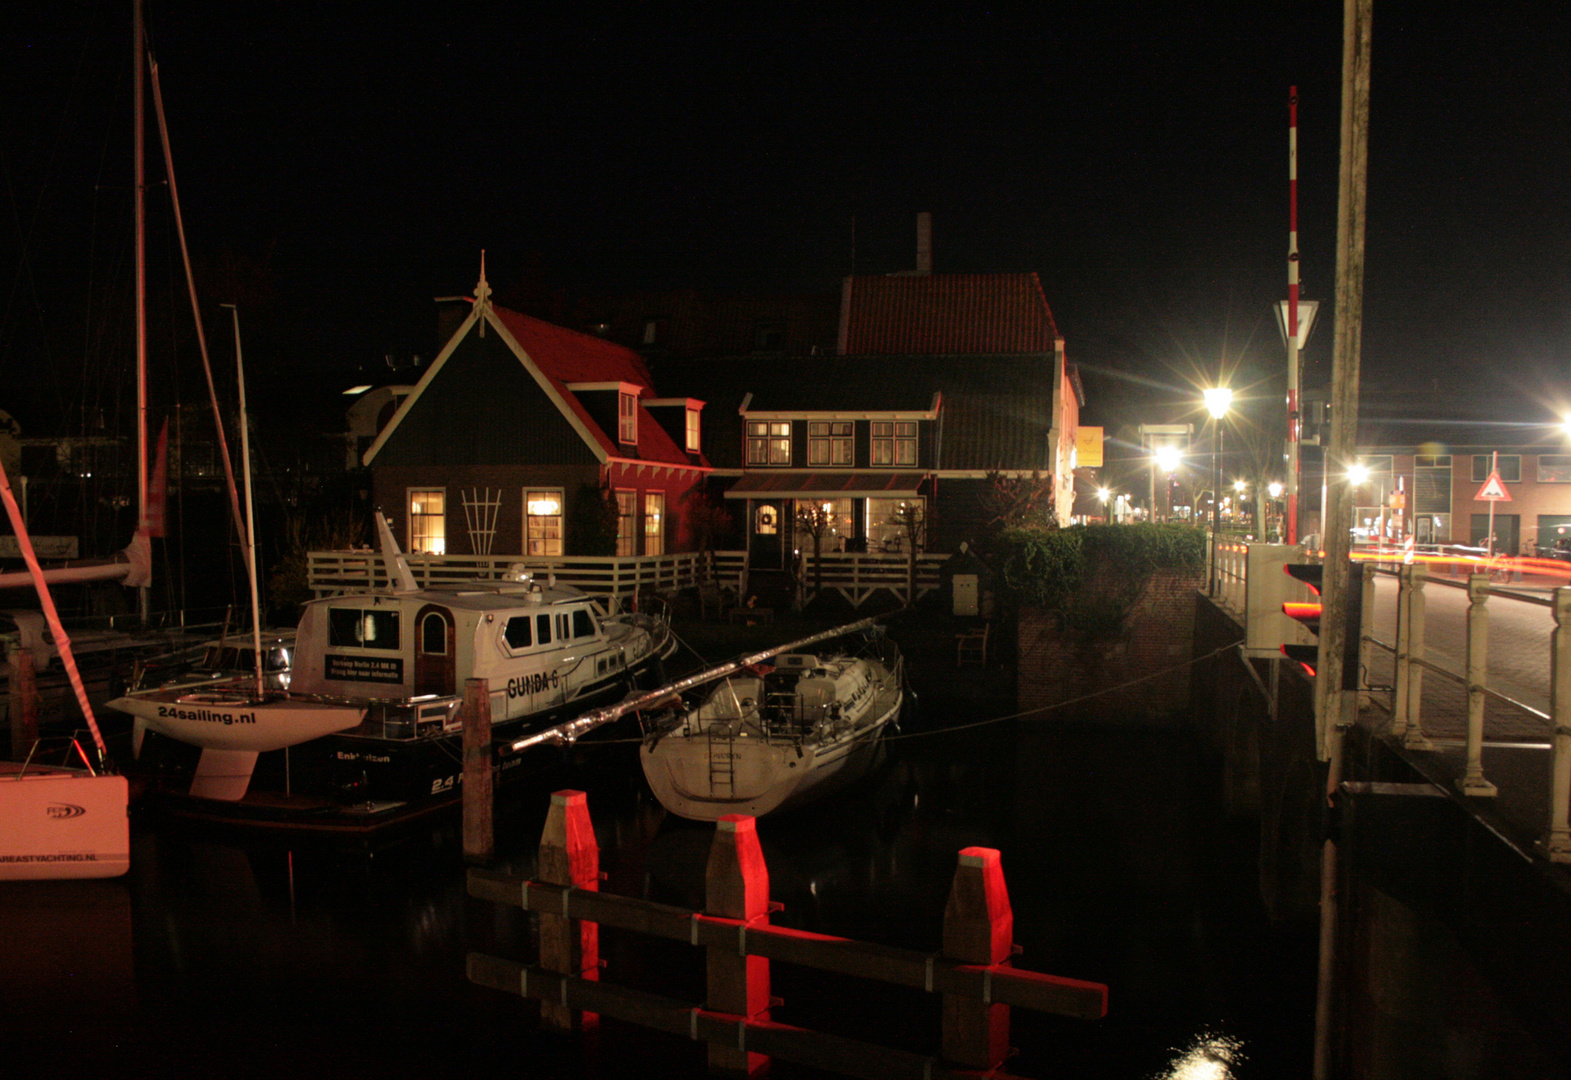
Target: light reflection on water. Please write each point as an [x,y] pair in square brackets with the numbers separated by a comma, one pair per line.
[1210,1057]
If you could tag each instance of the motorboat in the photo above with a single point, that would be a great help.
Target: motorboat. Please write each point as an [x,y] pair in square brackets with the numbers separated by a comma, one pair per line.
[774,736]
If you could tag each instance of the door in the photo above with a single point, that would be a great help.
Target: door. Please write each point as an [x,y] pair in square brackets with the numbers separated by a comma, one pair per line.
[435,652]
[767,544]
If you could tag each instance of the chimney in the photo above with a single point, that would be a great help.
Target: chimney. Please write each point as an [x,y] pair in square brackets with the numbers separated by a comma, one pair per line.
[924,243]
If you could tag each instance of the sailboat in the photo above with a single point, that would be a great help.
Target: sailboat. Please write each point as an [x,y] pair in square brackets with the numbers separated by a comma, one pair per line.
[234,723]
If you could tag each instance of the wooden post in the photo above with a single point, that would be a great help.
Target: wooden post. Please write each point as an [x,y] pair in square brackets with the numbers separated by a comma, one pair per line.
[736,886]
[479,836]
[569,855]
[23,705]
[979,928]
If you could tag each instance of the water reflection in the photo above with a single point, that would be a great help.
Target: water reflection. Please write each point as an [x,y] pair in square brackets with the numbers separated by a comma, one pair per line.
[256,959]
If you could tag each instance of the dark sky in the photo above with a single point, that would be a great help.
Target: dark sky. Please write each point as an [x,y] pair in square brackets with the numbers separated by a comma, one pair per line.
[341,164]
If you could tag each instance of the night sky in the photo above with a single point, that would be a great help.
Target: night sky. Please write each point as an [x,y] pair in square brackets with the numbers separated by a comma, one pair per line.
[341,164]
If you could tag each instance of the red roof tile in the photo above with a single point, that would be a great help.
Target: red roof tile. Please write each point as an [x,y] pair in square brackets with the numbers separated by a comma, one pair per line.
[942,314]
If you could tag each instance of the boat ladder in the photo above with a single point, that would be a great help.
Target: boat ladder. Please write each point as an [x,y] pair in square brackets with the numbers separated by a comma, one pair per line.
[722,760]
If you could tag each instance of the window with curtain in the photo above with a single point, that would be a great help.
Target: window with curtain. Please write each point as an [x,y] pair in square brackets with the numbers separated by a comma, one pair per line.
[428,521]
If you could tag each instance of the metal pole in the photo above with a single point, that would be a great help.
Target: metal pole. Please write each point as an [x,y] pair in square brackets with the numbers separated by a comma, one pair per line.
[143,595]
[1292,317]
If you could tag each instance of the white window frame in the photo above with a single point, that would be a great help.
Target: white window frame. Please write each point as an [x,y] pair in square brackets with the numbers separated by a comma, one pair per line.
[626,515]
[831,443]
[894,443]
[627,418]
[769,442]
[422,537]
[540,527]
[654,523]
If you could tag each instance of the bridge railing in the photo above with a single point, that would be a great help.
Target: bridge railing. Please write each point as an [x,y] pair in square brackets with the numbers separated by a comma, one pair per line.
[1485,578]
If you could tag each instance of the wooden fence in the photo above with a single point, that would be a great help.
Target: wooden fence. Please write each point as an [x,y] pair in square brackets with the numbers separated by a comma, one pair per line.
[972,972]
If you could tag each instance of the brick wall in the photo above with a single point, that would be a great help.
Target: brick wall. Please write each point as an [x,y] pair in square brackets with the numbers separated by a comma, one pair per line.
[1159,635]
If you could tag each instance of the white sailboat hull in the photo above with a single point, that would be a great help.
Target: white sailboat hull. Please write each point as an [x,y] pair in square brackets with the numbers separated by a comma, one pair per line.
[715,764]
[63,823]
[235,721]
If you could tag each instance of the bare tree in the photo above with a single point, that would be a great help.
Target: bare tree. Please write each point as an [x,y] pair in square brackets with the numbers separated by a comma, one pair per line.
[815,519]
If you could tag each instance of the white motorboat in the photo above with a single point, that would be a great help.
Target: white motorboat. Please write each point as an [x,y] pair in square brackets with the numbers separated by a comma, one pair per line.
[770,738]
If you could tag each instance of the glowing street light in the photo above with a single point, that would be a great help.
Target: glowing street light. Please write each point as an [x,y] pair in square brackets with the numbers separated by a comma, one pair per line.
[1169,458]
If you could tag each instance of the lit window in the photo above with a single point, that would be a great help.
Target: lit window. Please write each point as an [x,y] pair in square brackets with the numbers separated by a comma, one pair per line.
[890,523]
[357,628]
[626,508]
[768,442]
[654,523]
[829,443]
[627,418]
[428,521]
[767,520]
[543,522]
[692,431]
[894,442]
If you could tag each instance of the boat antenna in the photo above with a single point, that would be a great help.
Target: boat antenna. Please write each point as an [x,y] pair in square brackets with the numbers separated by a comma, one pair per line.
[397,566]
[250,508]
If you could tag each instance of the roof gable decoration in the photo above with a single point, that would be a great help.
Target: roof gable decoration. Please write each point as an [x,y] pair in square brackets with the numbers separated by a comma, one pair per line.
[480,314]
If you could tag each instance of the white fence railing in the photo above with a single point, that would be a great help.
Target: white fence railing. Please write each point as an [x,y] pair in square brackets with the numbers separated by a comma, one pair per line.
[1462,691]
[857,577]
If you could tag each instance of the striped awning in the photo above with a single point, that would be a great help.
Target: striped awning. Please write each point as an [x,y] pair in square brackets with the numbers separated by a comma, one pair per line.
[857,484]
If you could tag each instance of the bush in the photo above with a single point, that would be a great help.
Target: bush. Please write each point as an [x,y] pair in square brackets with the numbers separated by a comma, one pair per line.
[1089,578]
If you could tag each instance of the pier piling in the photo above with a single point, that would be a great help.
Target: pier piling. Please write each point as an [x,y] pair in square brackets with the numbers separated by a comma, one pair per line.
[979,928]
[736,886]
[569,856]
[479,831]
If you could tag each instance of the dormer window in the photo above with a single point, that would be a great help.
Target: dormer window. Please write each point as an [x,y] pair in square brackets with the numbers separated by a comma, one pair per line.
[627,418]
[692,431]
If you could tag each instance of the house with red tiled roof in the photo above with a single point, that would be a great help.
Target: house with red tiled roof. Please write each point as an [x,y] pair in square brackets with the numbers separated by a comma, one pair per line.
[939,381]
[516,426]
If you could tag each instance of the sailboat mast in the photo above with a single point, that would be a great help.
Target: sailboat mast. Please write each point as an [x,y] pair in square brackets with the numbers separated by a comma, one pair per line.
[143,594]
[250,509]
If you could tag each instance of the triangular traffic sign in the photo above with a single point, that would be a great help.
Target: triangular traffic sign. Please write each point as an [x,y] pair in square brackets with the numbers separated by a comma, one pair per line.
[1493,490]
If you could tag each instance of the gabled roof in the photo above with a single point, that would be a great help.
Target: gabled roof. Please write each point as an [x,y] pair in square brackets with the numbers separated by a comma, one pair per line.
[945,314]
[555,356]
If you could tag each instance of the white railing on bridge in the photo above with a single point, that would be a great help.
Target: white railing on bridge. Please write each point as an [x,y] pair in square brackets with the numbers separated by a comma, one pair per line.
[1247,585]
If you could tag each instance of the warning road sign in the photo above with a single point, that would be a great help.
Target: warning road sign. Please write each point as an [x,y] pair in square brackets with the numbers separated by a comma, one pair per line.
[1493,490]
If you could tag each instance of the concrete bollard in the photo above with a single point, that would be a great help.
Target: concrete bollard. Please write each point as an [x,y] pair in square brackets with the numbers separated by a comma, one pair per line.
[979,928]
[569,855]
[479,831]
[736,886]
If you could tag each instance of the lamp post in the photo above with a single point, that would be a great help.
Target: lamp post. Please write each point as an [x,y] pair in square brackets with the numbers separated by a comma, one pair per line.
[1218,398]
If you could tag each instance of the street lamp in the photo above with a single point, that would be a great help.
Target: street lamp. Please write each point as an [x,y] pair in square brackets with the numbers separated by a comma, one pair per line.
[1168,458]
[1218,398]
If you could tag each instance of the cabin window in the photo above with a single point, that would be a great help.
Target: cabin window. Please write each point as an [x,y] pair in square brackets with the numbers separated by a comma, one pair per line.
[543,629]
[627,418]
[353,628]
[433,635]
[829,443]
[768,442]
[894,442]
[654,523]
[693,431]
[583,623]
[563,626]
[626,509]
[428,521]
[519,633]
[543,522]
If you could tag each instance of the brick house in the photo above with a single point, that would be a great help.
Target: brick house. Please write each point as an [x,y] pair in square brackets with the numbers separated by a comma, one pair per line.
[515,424]
[1438,468]
[936,381]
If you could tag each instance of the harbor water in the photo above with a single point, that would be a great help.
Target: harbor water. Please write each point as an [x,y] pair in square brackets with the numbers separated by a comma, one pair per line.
[229,958]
